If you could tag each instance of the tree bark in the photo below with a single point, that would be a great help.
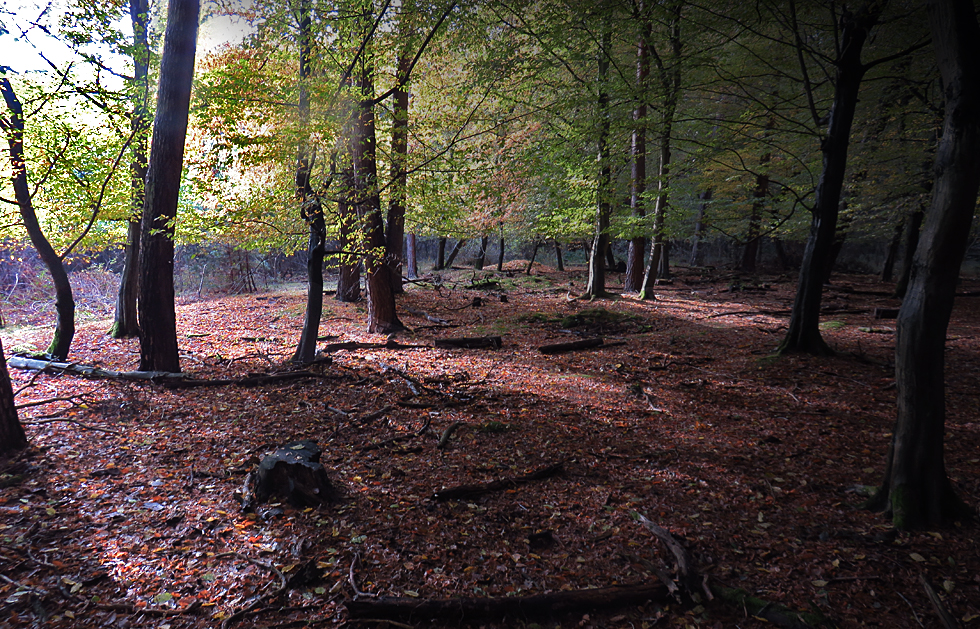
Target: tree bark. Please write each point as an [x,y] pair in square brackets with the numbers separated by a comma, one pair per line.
[441,255]
[395,234]
[349,282]
[697,256]
[750,255]
[12,437]
[596,286]
[157,314]
[126,321]
[481,254]
[500,256]
[804,331]
[916,491]
[910,246]
[888,268]
[454,252]
[382,318]
[636,254]
[13,127]
[412,257]
[309,203]
[558,258]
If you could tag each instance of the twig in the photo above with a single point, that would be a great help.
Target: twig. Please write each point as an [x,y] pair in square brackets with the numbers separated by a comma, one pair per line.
[67,398]
[393,623]
[914,615]
[258,601]
[870,577]
[353,583]
[51,420]
[447,433]
[937,603]
[29,383]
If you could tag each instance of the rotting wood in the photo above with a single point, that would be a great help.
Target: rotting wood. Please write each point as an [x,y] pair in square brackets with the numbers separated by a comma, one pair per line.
[558,348]
[470,342]
[353,345]
[464,609]
[469,491]
[690,580]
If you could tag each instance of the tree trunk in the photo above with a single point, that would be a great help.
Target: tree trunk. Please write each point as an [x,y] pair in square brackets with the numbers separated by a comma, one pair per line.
[309,203]
[382,318]
[534,254]
[596,286]
[349,282]
[558,258]
[455,252]
[697,256]
[157,315]
[839,238]
[12,436]
[500,256]
[636,254]
[412,257]
[750,255]
[481,254]
[64,330]
[670,82]
[126,321]
[911,244]
[395,234]
[441,255]
[804,330]
[888,268]
[916,492]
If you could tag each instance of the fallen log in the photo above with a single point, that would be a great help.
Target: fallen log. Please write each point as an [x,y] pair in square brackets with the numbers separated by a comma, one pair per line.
[470,342]
[354,345]
[558,348]
[478,489]
[536,605]
[171,380]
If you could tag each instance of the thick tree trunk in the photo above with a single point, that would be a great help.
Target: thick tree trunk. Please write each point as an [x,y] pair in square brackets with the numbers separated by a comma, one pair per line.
[910,246]
[596,286]
[916,492]
[395,233]
[64,330]
[349,282]
[126,321]
[382,318]
[636,254]
[12,436]
[412,257]
[157,315]
[804,330]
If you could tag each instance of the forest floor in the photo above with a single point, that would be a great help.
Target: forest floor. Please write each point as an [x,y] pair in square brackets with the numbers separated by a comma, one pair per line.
[123,512]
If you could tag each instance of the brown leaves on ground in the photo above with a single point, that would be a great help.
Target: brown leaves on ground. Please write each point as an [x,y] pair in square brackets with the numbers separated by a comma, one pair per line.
[125,516]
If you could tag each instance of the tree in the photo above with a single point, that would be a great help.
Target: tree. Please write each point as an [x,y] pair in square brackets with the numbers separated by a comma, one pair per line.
[13,128]
[126,321]
[12,436]
[804,331]
[157,315]
[916,491]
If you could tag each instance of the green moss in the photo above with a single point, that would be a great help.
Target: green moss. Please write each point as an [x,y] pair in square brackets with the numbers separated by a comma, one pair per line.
[832,325]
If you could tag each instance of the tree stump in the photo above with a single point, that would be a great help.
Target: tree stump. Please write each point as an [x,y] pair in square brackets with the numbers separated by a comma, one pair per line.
[295,474]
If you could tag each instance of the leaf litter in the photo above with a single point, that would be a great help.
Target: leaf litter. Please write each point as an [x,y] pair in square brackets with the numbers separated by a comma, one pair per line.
[127,515]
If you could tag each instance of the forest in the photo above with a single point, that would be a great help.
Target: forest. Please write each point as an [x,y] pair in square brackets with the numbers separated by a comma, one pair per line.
[395,313]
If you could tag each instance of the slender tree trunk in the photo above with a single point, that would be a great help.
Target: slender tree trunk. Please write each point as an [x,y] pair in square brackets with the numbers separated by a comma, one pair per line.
[126,322]
[534,254]
[395,235]
[911,244]
[916,491]
[412,257]
[349,281]
[670,81]
[636,254]
[12,437]
[804,330]
[784,261]
[558,258]
[697,257]
[382,318]
[441,255]
[596,286]
[750,255]
[455,251]
[13,127]
[888,268]
[310,208]
[500,256]
[840,237]
[481,254]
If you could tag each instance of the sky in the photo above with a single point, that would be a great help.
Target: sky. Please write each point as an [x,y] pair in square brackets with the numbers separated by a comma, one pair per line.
[22,54]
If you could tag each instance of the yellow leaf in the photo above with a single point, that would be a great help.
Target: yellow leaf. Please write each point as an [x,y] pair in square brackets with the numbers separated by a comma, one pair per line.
[819,583]
[917,557]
